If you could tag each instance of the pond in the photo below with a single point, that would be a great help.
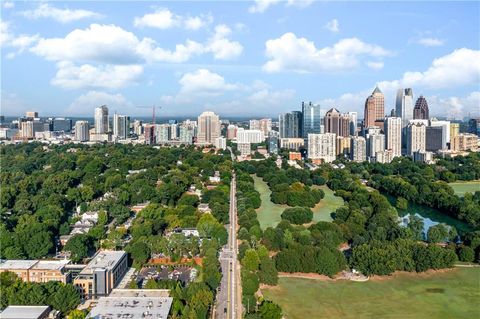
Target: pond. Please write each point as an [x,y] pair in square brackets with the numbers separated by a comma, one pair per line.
[430,216]
[269,213]
[462,187]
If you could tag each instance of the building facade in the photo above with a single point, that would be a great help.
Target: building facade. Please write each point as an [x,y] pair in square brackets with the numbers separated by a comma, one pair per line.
[420,111]
[208,128]
[121,126]
[404,105]
[250,136]
[101,120]
[358,149]
[416,133]
[312,119]
[290,124]
[393,135]
[82,131]
[322,147]
[374,108]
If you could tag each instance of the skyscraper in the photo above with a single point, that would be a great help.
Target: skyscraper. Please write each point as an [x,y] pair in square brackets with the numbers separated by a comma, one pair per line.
[322,147]
[404,105]
[416,138]
[374,108]
[353,122]
[82,133]
[121,126]
[208,128]
[162,133]
[393,134]
[445,131]
[337,123]
[250,136]
[290,124]
[101,119]
[311,119]
[375,143]
[149,134]
[358,149]
[433,138]
[420,111]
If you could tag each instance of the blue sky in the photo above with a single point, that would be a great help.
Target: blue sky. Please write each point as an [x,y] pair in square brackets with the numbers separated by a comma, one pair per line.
[236,58]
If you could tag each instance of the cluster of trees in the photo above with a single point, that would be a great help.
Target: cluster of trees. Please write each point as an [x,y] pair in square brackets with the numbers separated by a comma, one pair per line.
[298,215]
[63,297]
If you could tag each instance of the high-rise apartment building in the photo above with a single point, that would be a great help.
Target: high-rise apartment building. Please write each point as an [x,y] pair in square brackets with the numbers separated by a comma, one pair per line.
[474,126]
[404,105]
[121,126]
[186,133]
[250,136]
[31,115]
[322,147]
[416,138]
[221,143]
[273,142]
[149,134]
[353,122]
[454,131]
[420,111]
[26,129]
[101,120]
[374,108]
[82,132]
[162,133]
[291,124]
[138,127]
[393,135]
[433,138]
[208,128]
[375,143]
[343,145]
[312,119]
[60,124]
[445,131]
[358,149]
[231,132]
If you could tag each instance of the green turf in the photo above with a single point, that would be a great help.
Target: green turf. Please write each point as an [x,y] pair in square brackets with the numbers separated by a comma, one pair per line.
[454,294]
[269,213]
[460,188]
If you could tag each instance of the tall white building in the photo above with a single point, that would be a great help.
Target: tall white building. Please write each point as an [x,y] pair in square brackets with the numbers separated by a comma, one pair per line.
[137,127]
[393,135]
[250,136]
[82,133]
[221,143]
[208,128]
[375,143]
[404,105]
[358,149]
[101,120]
[416,138]
[186,133]
[121,126]
[322,146]
[162,133]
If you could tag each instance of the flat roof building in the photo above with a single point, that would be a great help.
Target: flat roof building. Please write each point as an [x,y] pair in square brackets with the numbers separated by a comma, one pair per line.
[102,274]
[38,270]
[25,312]
[133,303]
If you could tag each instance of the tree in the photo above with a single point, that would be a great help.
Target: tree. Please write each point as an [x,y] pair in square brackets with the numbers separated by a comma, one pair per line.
[65,299]
[270,310]
[298,215]
[77,314]
[466,254]
[140,252]
[437,233]
[251,261]
[79,246]
[402,203]
[250,282]
[268,273]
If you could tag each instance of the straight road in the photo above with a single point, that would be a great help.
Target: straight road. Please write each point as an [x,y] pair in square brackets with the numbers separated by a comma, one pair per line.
[228,306]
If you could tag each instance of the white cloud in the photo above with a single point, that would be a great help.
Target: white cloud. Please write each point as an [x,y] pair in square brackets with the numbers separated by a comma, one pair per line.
[149,50]
[19,43]
[376,65]
[461,67]
[12,104]
[165,19]
[204,82]
[333,25]
[430,42]
[70,76]
[45,10]
[268,97]
[86,103]
[222,47]
[290,53]
[456,107]
[260,6]
[5,34]
[8,5]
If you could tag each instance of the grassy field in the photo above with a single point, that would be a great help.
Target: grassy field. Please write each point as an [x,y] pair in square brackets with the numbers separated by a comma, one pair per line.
[269,213]
[453,294]
[460,188]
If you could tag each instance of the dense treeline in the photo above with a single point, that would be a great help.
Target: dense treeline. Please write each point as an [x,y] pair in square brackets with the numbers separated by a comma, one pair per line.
[257,266]
[63,297]
[298,215]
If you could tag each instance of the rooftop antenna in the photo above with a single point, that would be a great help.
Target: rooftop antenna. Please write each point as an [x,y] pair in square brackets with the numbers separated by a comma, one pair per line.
[154,119]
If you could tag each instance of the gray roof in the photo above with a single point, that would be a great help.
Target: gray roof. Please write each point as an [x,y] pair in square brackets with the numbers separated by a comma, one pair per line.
[377,90]
[25,312]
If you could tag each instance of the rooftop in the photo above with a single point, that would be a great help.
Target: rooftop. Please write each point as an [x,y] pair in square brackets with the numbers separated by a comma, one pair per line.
[24,312]
[17,264]
[51,264]
[133,303]
[103,259]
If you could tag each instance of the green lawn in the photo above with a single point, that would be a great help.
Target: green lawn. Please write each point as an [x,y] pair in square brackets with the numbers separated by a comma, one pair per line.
[269,213]
[454,294]
[460,188]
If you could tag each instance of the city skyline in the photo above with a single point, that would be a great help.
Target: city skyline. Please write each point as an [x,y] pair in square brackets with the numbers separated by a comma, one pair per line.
[225,61]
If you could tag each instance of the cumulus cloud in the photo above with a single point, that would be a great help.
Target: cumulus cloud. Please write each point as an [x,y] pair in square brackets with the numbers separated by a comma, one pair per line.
[45,10]
[333,25]
[431,42]
[163,18]
[260,6]
[70,76]
[86,103]
[18,43]
[221,46]
[291,53]
[376,65]
[456,107]
[8,5]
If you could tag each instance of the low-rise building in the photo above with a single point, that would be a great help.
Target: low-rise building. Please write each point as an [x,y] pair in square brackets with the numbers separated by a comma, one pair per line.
[102,274]
[292,143]
[29,312]
[294,156]
[38,270]
[133,303]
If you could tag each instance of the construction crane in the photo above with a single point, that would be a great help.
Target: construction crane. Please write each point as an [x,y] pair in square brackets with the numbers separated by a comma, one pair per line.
[154,107]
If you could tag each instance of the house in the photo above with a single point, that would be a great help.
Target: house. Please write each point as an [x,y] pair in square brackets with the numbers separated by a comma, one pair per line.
[204,208]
